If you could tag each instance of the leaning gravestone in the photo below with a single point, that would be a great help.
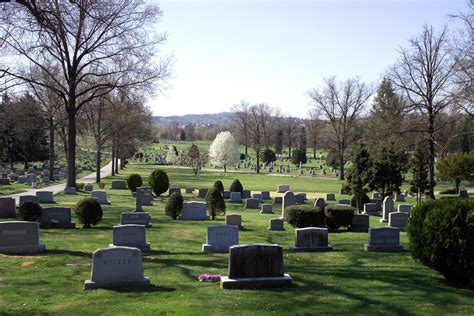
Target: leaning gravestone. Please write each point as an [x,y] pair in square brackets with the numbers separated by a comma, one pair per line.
[319,202]
[18,237]
[7,207]
[404,208]
[252,203]
[266,209]
[330,197]
[220,237]
[234,220]
[360,223]
[202,193]
[116,266]
[56,217]
[398,220]
[100,196]
[385,239]
[130,235]
[29,198]
[119,184]
[387,208]
[138,218]
[194,211]
[288,200]
[311,239]
[45,196]
[276,224]
[235,197]
[255,266]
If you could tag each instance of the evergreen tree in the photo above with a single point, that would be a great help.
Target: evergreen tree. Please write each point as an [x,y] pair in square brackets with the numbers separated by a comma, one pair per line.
[361,174]
[279,142]
[302,140]
[388,171]
[419,170]
[182,136]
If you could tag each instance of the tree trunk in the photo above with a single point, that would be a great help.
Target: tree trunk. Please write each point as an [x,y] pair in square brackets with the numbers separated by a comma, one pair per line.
[431,155]
[97,163]
[246,149]
[51,149]
[341,164]
[314,152]
[71,146]
[113,156]
[122,163]
[63,129]
[116,164]
[258,161]
[457,182]
[289,149]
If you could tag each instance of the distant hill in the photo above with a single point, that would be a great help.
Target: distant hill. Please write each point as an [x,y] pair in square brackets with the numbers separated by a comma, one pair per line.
[197,119]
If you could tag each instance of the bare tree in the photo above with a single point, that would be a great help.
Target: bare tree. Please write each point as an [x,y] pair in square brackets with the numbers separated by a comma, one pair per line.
[258,114]
[340,104]
[313,128]
[290,130]
[424,76]
[241,117]
[90,40]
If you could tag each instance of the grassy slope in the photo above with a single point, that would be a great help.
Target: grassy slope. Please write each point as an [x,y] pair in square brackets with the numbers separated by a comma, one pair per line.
[345,281]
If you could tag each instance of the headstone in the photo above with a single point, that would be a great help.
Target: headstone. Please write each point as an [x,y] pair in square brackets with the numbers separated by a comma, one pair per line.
[266,195]
[235,197]
[387,208]
[202,193]
[245,194]
[30,178]
[146,197]
[29,198]
[101,196]
[405,208]
[45,179]
[252,203]
[370,209]
[288,200]
[234,220]
[13,177]
[119,184]
[377,202]
[385,239]
[282,188]
[255,266]
[360,223]
[345,202]
[220,237]
[130,235]
[398,220]
[266,209]
[70,190]
[330,197]
[18,237]
[226,194]
[300,198]
[7,207]
[137,218]
[258,196]
[399,198]
[172,190]
[88,187]
[21,179]
[45,196]
[311,239]
[189,190]
[463,194]
[116,266]
[319,202]
[377,195]
[277,224]
[194,211]
[4,181]
[56,217]
[278,200]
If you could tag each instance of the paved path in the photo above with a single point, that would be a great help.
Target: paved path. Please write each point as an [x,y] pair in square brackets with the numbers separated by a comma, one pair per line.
[104,172]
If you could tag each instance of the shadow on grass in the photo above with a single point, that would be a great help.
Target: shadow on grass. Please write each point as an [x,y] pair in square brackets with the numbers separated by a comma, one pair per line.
[136,288]
[67,252]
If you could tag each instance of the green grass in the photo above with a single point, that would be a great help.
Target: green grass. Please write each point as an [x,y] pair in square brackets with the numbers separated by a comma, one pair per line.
[347,280]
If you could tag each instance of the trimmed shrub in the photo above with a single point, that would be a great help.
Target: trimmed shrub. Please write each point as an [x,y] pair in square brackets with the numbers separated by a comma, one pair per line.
[297,156]
[338,216]
[268,156]
[101,185]
[301,216]
[219,186]
[158,181]
[441,235]
[215,204]
[134,181]
[365,199]
[89,212]
[174,205]
[29,211]
[236,186]
[80,185]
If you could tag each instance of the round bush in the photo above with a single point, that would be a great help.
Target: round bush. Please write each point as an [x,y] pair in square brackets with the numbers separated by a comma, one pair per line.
[29,211]
[301,216]
[236,186]
[134,181]
[219,186]
[158,181]
[268,155]
[215,204]
[338,216]
[174,205]
[441,235]
[89,212]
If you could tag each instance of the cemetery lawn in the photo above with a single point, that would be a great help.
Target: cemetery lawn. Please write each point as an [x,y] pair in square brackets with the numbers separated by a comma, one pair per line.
[347,280]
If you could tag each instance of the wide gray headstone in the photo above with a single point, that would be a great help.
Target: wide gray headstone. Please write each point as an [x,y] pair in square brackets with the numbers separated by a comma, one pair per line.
[252,203]
[405,208]
[385,239]
[282,188]
[18,237]
[138,218]
[300,198]
[7,207]
[220,237]
[235,197]
[194,211]
[311,239]
[276,224]
[101,196]
[360,223]
[56,217]
[29,198]
[266,209]
[398,220]
[345,202]
[288,200]
[388,207]
[130,235]
[399,198]
[234,220]
[70,190]
[45,196]
[371,209]
[119,184]
[116,266]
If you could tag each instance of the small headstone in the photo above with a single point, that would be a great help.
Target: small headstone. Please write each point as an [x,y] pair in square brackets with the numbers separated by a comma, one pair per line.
[300,198]
[387,208]
[345,202]
[4,181]
[56,217]
[288,200]
[399,198]
[277,224]
[371,209]
[30,178]
[45,180]
[235,197]
[266,195]
[360,223]
[319,202]
[130,235]
[101,196]
[116,266]
[226,194]
[266,209]
[398,220]
[234,220]
[405,208]
[278,200]
[22,179]
[138,218]
[252,203]
[378,202]
[255,266]
[7,207]
[29,198]
[463,194]
[385,239]
[189,190]
[311,239]
[88,187]
[220,237]
[258,196]
[18,237]
[202,193]
[70,190]
[173,190]
[330,197]
[119,184]
[377,195]
[282,188]
[194,211]
[45,196]
[245,194]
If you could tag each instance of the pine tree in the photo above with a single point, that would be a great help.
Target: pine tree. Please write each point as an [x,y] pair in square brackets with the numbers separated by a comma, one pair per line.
[279,142]
[388,171]
[361,174]
[419,170]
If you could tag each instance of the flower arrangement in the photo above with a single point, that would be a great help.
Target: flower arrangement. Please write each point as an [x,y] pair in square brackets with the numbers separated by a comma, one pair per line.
[209,278]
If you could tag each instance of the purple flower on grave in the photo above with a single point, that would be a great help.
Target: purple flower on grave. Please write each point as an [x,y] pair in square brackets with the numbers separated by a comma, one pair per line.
[209,277]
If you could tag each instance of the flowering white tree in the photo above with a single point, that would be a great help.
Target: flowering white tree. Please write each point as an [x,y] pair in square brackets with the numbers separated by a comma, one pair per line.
[224,150]
[171,156]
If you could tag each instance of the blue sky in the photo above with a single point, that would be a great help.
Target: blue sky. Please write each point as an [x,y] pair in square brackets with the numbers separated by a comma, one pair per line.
[275,51]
